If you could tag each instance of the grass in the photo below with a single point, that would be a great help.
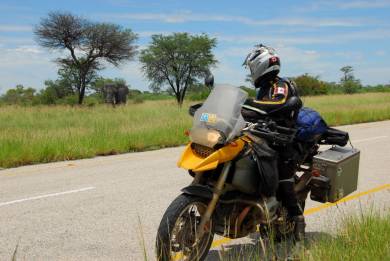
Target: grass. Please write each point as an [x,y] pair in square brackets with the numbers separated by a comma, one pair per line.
[361,238]
[43,134]
[39,134]
[350,109]
[364,237]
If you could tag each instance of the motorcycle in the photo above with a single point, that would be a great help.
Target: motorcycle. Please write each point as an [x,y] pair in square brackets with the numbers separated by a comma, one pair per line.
[234,179]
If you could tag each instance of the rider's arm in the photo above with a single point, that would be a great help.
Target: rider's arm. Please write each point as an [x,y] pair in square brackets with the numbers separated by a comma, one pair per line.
[280,94]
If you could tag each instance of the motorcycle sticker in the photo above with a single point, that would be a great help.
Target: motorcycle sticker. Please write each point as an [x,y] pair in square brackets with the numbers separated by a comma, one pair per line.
[208,117]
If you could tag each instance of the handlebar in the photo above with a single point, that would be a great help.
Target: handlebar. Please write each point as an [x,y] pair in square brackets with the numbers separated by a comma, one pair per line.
[270,131]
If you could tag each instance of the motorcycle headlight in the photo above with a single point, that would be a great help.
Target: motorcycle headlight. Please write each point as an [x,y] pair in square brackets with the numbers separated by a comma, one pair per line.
[213,137]
[206,137]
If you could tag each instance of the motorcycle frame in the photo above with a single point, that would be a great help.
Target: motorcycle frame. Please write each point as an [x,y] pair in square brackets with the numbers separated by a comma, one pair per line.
[230,152]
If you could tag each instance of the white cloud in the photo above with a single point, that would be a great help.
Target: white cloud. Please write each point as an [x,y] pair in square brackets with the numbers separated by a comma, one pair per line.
[15,28]
[187,16]
[342,5]
[27,64]
[297,40]
[272,39]
[131,72]
[28,49]
[373,74]
[150,33]
[31,65]
[362,4]
[16,41]
[380,53]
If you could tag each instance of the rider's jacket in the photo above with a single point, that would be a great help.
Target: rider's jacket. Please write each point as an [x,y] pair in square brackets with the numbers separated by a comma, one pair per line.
[274,95]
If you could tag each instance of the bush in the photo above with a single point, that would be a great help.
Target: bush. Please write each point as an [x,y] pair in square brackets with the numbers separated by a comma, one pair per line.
[138,99]
[68,100]
[19,95]
[198,96]
[376,88]
[351,86]
[91,101]
[310,85]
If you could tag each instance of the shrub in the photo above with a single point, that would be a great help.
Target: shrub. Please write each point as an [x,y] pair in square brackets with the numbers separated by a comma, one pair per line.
[351,86]
[310,85]
[68,100]
[138,99]
[198,96]
[91,101]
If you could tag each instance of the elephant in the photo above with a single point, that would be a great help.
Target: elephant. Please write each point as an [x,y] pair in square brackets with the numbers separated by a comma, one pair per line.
[115,93]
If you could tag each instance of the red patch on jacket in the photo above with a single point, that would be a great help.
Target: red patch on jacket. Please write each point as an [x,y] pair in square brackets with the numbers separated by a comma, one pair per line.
[280,90]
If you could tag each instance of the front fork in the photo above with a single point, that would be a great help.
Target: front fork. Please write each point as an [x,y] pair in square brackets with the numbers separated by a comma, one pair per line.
[213,203]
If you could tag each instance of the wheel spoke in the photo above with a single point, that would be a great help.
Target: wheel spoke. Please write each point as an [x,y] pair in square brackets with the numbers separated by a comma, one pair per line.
[183,243]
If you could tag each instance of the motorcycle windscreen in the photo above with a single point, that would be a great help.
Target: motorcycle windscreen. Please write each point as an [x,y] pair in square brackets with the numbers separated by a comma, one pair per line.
[219,119]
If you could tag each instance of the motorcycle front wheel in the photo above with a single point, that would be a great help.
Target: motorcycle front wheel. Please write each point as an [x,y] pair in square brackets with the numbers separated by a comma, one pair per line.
[177,230]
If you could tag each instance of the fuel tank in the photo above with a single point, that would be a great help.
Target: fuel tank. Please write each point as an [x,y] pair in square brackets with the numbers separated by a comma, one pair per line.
[245,175]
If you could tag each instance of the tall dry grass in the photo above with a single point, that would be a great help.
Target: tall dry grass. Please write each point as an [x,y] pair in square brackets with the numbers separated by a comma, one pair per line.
[43,134]
[350,109]
[51,133]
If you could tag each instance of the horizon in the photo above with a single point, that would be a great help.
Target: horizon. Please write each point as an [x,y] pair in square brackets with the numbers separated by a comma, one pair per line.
[317,38]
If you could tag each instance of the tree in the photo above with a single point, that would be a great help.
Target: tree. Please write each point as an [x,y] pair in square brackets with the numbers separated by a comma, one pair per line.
[348,81]
[348,75]
[20,95]
[177,61]
[58,89]
[89,45]
[310,85]
[69,76]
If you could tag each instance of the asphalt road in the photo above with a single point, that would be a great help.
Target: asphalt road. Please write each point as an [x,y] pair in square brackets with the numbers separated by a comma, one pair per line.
[104,208]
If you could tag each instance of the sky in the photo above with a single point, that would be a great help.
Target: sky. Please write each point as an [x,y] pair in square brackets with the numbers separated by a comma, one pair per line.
[315,37]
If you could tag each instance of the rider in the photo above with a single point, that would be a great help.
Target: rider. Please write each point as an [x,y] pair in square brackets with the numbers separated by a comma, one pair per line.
[273,92]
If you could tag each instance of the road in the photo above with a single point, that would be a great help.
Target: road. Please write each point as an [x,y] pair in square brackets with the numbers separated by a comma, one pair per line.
[104,208]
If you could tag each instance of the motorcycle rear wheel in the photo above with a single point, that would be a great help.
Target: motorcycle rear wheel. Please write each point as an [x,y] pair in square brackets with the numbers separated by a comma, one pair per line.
[176,233]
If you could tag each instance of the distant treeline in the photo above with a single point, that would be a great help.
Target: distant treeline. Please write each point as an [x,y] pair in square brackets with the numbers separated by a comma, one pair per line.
[309,85]
[59,92]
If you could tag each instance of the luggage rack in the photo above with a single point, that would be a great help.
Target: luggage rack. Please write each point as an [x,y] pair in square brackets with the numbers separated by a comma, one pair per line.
[334,137]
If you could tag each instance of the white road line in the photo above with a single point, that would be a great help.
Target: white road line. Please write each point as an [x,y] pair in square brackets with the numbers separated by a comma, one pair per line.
[45,196]
[369,139]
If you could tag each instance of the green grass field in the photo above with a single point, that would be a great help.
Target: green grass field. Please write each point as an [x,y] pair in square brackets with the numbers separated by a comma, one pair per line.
[38,134]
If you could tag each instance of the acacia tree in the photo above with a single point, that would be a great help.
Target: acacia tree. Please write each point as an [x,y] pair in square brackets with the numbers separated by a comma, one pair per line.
[348,73]
[349,82]
[89,44]
[177,61]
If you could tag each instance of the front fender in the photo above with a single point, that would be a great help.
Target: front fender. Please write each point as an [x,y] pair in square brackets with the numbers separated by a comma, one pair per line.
[198,190]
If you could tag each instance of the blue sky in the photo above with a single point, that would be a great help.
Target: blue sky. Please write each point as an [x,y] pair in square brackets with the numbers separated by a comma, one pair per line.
[315,37]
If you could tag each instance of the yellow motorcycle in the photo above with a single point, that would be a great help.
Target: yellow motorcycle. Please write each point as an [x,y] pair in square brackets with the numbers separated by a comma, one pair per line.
[235,179]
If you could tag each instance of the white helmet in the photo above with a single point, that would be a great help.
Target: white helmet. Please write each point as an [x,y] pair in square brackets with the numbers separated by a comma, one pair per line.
[263,62]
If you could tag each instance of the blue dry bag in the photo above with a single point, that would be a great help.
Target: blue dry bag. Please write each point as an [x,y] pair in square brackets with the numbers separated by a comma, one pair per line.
[309,124]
